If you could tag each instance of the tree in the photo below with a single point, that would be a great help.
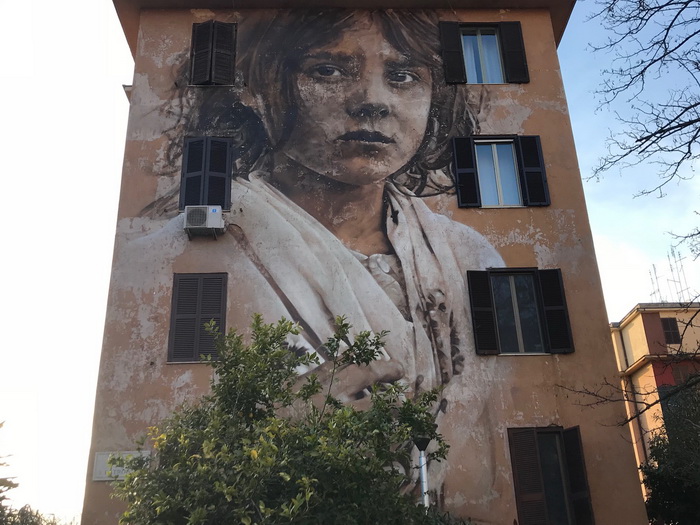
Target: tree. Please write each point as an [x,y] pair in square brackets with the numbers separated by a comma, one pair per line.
[672,474]
[265,447]
[661,121]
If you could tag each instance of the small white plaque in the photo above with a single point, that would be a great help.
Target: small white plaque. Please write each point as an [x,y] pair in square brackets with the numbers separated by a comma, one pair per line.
[103,472]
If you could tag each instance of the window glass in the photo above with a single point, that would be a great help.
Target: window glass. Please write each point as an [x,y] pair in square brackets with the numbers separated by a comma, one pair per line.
[551,461]
[528,317]
[482,57]
[516,313]
[505,313]
[508,175]
[498,174]
[486,168]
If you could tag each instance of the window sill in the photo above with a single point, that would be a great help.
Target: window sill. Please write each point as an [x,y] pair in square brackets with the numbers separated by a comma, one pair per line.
[502,206]
[524,353]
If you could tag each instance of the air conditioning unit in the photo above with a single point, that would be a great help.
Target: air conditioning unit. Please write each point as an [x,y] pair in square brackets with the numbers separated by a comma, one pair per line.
[204,220]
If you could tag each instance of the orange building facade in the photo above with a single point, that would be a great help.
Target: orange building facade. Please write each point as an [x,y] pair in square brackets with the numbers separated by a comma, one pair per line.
[656,347]
[411,168]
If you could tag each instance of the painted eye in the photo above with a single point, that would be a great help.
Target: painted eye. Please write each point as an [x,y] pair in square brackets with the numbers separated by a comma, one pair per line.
[402,77]
[326,71]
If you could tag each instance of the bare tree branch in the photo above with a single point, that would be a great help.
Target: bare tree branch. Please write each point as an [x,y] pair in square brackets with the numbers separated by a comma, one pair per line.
[651,41]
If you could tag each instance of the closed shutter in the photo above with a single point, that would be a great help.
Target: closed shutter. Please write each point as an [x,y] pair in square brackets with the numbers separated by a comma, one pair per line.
[532,173]
[556,316]
[217,188]
[201,55]
[452,54]
[527,476]
[513,52]
[206,172]
[197,299]
[468,194]
[483,313]
[224,53]
[578,481]
[193,172]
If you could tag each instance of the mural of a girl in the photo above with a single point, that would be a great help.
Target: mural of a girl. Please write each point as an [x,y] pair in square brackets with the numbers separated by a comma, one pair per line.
[344,125]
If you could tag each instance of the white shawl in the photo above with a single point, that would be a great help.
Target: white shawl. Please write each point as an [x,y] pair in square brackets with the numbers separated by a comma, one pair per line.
[312,277]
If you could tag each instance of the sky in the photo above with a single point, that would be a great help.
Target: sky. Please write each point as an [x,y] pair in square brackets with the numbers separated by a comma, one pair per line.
[62,90]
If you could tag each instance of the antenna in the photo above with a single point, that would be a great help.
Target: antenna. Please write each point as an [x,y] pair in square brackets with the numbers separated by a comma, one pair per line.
[655,291]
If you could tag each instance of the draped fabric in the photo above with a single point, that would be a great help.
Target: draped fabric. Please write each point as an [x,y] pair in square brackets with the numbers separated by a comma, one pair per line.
[304,273]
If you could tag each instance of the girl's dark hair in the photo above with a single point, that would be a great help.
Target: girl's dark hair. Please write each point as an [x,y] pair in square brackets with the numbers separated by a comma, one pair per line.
[270,49]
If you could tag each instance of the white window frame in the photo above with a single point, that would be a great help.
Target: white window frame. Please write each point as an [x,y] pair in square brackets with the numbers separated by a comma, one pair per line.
[478,33]
[499,184]
[516,313]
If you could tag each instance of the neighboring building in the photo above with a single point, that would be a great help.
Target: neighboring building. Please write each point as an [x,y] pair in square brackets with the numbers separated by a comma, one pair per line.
[412,169]
[657,346]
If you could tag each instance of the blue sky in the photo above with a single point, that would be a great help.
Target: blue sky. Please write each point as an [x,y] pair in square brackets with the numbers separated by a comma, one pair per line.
[64,123]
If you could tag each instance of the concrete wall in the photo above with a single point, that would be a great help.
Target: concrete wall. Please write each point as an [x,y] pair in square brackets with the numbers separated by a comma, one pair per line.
[343,214]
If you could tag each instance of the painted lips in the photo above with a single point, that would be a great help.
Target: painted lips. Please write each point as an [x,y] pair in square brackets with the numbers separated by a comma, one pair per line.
[372,137]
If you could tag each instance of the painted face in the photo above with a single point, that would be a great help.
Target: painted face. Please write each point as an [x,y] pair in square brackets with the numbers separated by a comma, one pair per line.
[363,108]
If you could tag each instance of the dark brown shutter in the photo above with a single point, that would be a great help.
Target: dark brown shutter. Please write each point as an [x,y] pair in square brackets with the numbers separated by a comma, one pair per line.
[193,172]
[223,54]
[513,52]
[578,481]
[201,54]
[468,195]
[533,180]
[672,335]
[483,313]
[197,299]
[556,316]
[212,307]
[527,476]
[452,54]
[218,174]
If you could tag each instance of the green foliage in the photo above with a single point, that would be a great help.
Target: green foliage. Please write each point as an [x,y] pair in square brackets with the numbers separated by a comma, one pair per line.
[25,516]
[266,447]
[672,474]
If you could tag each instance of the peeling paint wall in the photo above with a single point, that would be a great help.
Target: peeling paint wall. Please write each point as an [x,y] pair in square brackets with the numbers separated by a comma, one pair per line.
[339,186]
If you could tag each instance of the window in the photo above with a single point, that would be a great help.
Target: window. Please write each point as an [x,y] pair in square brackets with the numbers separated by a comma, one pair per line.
[213,53]
[500,171]
[206,172]
[197,299]
[672,335]
[549,475]
[483,54]
[519,311]
[482,57]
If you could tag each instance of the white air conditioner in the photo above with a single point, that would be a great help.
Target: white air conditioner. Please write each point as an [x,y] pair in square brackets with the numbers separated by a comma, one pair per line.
[204,220]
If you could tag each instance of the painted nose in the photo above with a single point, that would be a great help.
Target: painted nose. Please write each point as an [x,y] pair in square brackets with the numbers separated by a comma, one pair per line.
[369,97]
[369,110]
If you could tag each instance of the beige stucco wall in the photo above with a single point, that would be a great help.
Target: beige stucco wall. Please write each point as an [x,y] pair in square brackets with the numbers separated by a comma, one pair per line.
[137,387]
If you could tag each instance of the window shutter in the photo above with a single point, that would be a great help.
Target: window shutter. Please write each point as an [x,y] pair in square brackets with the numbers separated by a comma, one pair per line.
[513,52]
[468,195]
[224,53]
[193,162]
[197,299]
[527,476]
[556,316]
[532,174]
[483,313]
[201,54]
[217,180]
[672,335]
[578,481]
[212,307]
[452,54]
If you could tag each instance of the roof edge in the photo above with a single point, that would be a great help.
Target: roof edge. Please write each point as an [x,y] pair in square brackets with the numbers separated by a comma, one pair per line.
[128,10]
